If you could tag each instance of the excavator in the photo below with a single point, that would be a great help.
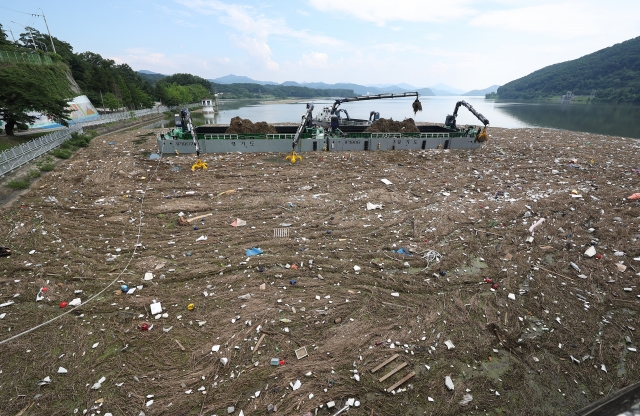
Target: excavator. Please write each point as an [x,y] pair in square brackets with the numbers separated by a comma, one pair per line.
[187,126]
[450,121]
[306,122]
[330,118]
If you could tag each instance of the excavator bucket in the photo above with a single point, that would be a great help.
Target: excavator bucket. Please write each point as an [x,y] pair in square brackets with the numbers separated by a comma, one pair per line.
[199,165]
[482,136]
[293,157]
[417,106]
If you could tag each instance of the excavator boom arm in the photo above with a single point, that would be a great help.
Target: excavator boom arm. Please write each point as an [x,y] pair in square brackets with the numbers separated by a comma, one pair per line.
[473,111]
[370,97]
[303,124]
[187,124]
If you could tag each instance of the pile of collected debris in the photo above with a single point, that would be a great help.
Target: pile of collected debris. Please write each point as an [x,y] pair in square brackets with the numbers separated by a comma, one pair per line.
[384,125]
[245,126]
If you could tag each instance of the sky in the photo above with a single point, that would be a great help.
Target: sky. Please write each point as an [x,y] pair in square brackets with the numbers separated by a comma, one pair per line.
[466,44]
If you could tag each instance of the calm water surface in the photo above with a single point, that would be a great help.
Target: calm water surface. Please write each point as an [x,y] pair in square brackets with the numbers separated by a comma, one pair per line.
[614,120]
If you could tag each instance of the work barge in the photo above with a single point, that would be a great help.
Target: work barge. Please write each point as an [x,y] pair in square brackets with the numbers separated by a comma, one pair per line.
[329,133]
[212,139]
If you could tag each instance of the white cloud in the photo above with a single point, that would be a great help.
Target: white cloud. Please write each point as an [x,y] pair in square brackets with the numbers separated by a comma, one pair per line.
[315,60]
[253,29]
[256,48]
[381,12]
[565,19]
[141,57]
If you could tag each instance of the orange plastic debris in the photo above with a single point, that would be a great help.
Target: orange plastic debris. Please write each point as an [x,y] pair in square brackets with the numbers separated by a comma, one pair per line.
[634,196]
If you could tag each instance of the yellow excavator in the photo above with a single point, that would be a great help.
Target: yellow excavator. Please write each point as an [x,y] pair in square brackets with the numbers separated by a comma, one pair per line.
[450,121]
[306,122]
[187,124]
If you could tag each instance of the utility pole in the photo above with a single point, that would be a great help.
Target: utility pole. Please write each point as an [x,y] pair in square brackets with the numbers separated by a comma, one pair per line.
[30,34]
[13,37]
[50,38]
[34,42]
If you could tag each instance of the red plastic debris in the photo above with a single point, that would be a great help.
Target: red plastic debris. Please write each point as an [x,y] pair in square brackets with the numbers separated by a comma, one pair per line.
[63,304]
[144,327]
[598,256]
[44,289]
[281,362]
[494,286]
[488,280]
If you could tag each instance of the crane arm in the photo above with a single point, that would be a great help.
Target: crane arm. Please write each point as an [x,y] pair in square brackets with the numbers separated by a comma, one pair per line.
[342,110]
[337,103]
[306,120]
[187,125]
[451,119]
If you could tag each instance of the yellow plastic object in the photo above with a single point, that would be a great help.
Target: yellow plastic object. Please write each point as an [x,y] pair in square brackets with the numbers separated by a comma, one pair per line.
[483,137]
[199,165]
[293,157]
[190,306]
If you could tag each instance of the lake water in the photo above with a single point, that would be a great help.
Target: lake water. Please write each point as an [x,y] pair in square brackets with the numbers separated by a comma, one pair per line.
[614,120]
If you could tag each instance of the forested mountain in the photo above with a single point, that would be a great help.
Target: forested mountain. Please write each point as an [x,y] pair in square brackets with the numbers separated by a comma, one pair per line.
[278,91]
[151,78]
[612,74]
[356,89]
[182,88]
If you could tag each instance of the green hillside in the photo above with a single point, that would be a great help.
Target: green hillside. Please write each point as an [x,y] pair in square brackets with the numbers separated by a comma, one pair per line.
[278,91]
[613,73]
[33,83]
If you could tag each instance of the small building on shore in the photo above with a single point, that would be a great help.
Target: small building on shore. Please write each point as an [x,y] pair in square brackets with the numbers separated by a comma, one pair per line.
[209,106]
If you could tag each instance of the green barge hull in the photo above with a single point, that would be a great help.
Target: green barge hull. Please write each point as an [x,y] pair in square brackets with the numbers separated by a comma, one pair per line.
[212,139]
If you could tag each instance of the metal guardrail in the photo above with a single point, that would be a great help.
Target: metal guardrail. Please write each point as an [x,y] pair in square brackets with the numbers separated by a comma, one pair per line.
[17,156]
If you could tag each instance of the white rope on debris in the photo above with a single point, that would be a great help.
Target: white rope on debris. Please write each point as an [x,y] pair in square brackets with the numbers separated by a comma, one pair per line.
[135,247]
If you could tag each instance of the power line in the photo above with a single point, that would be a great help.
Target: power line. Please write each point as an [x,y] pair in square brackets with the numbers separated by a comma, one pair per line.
[18,11]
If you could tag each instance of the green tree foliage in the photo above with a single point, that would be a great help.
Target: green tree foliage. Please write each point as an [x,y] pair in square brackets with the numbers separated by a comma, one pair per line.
[181,89]
[4,40]
[174,94]
[613,73]
[96,75]
[111,102]
[278,91]
[33,88]
[185,79]
[151,78]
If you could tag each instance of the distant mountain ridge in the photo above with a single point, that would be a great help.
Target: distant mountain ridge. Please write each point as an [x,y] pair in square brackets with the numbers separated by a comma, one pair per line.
[612,74]
[442,89]
[240,79]
[357,88]
[482,92]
